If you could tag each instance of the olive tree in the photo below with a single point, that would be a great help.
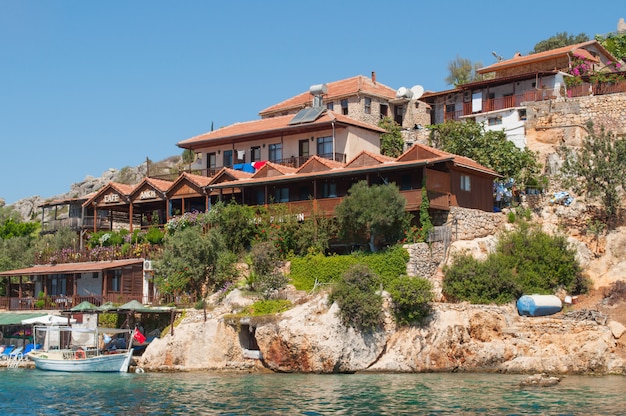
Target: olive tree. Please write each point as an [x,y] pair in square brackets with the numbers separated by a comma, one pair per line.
[372,212]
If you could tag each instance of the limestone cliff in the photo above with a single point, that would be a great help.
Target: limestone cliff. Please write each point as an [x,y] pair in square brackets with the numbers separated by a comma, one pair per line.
[457,337]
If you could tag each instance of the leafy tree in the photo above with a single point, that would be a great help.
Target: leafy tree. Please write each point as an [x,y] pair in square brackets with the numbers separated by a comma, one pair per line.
[188,156]
[411,297]
[461,71]
[359,305]
[16,253]
[559,40]
[391,143]
[372,211]
[189,261]
[15,228]
[614,43]
[236,224]
[489,148]
[597,169]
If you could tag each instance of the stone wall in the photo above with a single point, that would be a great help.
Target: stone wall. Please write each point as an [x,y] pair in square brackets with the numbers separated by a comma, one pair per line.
[604,110]
[474,223]
[425,259]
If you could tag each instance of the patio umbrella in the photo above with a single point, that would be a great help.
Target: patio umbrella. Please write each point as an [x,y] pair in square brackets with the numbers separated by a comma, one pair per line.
[134,306]
[106,307]
[85,306]
[49,320]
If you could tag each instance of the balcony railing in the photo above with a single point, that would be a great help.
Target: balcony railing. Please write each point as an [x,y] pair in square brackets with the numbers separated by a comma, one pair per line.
[511,101]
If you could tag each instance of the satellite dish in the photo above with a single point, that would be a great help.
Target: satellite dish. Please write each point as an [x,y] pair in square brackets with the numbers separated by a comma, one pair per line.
[417,91]
[403,92]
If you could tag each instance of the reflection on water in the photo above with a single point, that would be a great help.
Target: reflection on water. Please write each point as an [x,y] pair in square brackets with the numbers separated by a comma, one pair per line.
[47,393]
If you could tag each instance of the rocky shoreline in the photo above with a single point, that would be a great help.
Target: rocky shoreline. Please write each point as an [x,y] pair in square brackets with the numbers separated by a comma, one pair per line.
[310,338]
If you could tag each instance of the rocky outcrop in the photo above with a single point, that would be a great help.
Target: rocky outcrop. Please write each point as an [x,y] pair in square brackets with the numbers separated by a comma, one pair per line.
[457,337]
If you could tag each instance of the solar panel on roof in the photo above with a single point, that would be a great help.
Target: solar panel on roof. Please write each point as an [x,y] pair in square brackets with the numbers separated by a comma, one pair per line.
[307,115]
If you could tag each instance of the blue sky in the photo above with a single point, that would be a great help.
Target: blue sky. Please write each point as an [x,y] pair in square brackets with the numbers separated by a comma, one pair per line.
[93,85]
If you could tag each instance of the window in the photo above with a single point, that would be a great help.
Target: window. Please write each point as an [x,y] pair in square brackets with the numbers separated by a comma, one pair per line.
[450,108]
[303,148]
[399,114]
[259,196]
[304,192]
[325,147]
[276,152]
[384,110]
[281,195]
[368,105]
[405,183]
[57,285]
[521,114]
[344,107]
[330,106]
[212,160]
[465,183]
[228,158]
[255,154]
[494,121]
[115,280]
[329,190]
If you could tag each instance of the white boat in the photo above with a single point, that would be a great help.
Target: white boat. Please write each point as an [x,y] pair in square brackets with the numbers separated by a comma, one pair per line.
[68,361]
[89,359]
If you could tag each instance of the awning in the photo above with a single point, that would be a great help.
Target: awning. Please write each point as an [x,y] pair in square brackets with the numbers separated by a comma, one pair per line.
[68,268]
[9,318]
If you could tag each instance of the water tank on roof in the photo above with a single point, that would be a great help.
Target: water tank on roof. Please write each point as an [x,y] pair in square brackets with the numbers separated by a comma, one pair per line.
[538,305]
[318,89]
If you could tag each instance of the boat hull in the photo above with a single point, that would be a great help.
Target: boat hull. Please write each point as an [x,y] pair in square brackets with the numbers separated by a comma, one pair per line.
[110,363]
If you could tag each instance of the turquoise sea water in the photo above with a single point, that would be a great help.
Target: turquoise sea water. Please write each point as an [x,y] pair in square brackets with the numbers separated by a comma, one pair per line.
[34,392]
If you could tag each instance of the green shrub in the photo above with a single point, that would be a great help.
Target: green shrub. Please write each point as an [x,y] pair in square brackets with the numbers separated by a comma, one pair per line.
[265,262]
[411,297]
[355,293]
[511,217]
[526,260]
[480,282]
[305,271]
[155,235]
[267,307]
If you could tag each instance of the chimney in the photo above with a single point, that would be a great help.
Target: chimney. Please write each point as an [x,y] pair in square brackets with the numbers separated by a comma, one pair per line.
[374,77]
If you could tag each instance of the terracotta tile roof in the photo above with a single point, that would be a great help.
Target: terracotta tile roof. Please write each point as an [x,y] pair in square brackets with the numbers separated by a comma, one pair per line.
[273,169]
[120,188]
[239,174]
[198,180]
[123,188]
[417,155]
[422,152]
[90,266]
[367,158]
[519,60]
[160,184]
[318,164]
[336,90]
[275,125]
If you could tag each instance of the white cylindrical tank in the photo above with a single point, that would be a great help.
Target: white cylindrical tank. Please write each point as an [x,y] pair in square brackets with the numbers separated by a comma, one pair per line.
[538,305]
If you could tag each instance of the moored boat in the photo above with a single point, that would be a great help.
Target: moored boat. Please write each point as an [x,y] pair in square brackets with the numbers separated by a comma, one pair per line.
[70,361]
[83,359]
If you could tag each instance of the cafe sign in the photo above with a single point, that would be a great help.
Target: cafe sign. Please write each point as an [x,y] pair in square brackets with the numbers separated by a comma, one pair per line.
[111,198]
